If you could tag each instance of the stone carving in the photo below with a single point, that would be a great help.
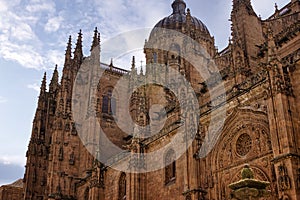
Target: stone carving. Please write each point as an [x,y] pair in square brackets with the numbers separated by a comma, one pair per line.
[298,178]
[61,154]
[284,181]
[72,159]
[243,144]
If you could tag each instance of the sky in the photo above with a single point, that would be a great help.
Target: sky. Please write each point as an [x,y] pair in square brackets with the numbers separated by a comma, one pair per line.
[33,37]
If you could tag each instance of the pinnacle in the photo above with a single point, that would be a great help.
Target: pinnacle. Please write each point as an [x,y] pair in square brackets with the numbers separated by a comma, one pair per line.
[96,39]
[79,40]
[78,55]
[69,47]
[43,85]
[133,63]
[54,79]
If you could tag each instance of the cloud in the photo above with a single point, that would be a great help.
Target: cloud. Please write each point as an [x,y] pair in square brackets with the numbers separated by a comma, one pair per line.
[24,54]
[22,32]
[36,36]
[3,100]
[12,160]
[53,24]
[37,6]
[34,86]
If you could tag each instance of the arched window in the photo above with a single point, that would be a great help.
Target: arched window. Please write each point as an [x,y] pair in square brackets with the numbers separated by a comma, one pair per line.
[170,169]
[122,187]
[109,103]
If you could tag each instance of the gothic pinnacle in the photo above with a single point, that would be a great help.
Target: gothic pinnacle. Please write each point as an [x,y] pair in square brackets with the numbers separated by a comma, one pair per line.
[43,87]
[133,63]
[96,39]
[68,55]
[54,81]
[69,46]
[78,55]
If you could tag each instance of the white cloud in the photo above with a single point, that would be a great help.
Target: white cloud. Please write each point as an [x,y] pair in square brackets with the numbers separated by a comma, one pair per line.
[47,6]
[34,86]
[55,56]
[26,55]
[3,100]
[3,6]
[33,36]
[53,24]
[22,32]
[13,159]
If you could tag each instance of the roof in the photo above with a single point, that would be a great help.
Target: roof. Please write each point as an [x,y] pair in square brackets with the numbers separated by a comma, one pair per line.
[179,16]
[18,184]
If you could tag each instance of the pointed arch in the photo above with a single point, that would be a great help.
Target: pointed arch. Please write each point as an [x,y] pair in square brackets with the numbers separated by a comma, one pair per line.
[122,187]
[170,169]
[109,102]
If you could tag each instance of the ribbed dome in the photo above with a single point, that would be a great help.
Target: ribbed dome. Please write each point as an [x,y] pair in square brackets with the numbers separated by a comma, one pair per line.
[179,16]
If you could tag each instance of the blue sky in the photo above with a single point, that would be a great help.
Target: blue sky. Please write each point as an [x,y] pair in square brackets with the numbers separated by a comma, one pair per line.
[33,36]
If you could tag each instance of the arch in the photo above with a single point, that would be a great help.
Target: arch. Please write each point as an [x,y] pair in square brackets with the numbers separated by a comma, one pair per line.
[109,102]
[255,125]
[170,163]
[122,187]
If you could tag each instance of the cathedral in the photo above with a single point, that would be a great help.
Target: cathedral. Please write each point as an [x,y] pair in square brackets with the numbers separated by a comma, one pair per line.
[182,128]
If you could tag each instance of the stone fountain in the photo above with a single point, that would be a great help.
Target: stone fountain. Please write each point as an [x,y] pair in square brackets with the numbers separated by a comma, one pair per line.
[249,188]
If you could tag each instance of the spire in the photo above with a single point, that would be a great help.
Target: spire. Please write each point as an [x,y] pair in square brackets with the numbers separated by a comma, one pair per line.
[68,55]
[142,71]
[43,85]
[179,7]
[54,81]
[111,64]
[96,39]
[133,64]
[78,55]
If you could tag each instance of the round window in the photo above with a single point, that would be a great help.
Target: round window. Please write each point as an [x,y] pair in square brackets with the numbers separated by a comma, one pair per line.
[243,144]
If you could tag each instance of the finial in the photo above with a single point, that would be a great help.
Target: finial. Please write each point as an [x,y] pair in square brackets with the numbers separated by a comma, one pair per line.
[133,63]
[43,85]
[79,39]
[96,38]
[188,15]
[111,64]
[276,7]
[142,63]
[69,46]
[78,55]
[54,81]
[141,72]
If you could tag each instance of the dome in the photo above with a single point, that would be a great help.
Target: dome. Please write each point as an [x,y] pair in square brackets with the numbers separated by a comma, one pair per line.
[179,16]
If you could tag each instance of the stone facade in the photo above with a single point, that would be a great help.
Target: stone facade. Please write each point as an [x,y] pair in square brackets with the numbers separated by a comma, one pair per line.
[12,191]
[258,71]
